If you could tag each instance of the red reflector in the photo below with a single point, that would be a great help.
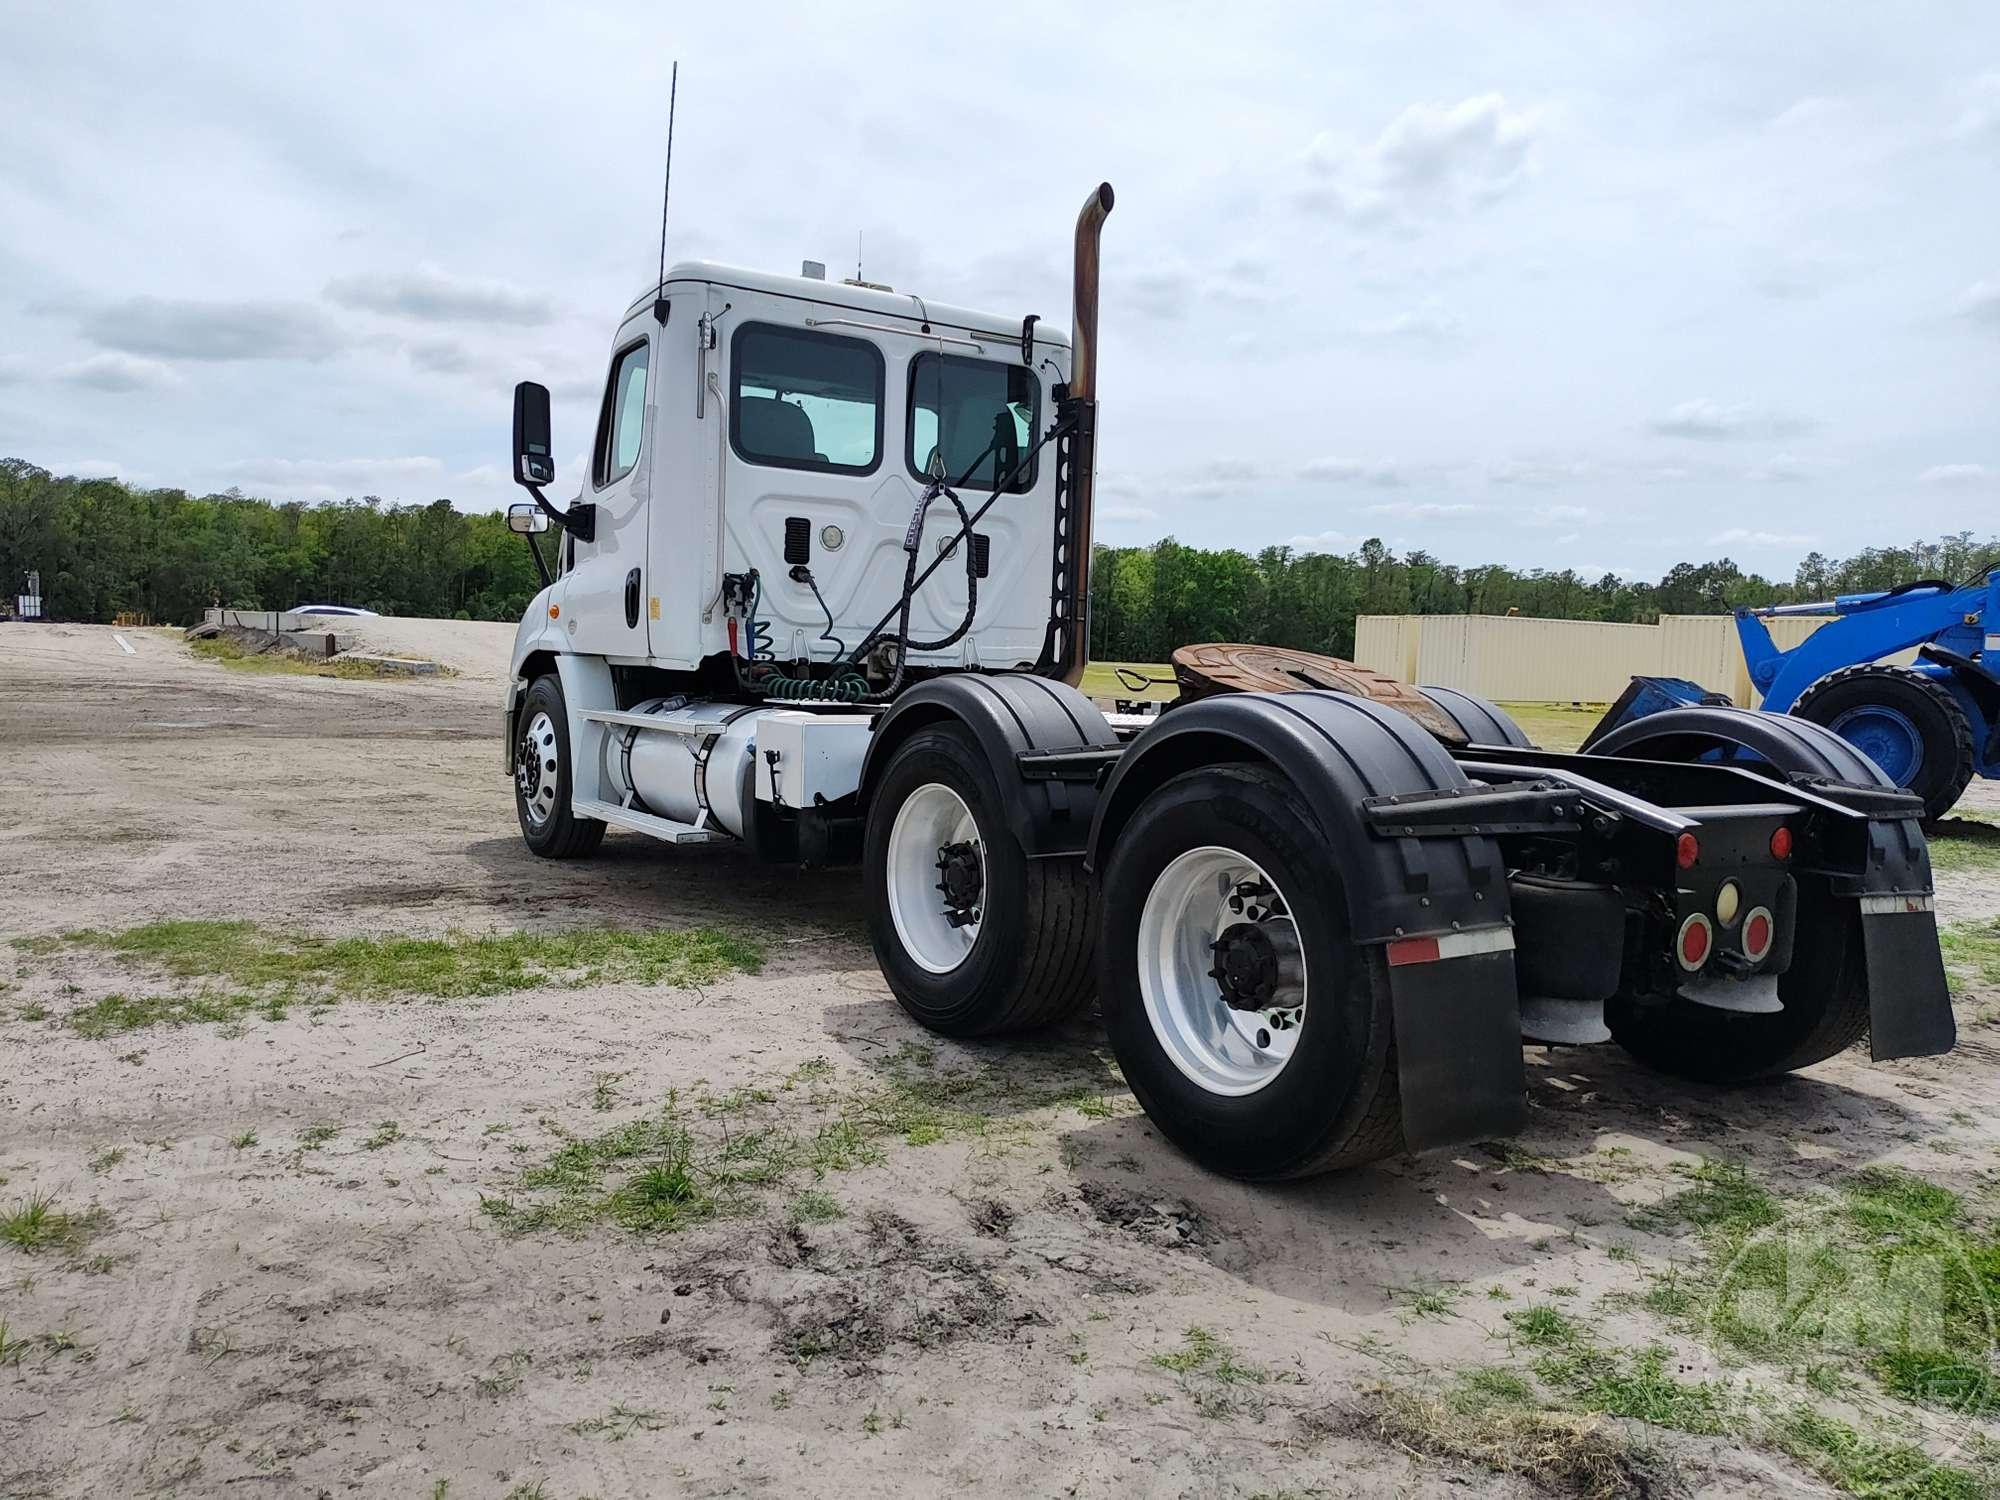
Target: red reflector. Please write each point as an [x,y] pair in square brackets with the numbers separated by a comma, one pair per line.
[1781,844]
[1695,940]
[1686,851]
[1758,930]
[1421,950]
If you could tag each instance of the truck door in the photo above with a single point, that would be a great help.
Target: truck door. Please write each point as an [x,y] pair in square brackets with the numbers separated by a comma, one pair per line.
[604,600]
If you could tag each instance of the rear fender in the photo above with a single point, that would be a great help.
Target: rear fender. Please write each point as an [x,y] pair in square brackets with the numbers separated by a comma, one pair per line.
[1011,714]
[1433,909]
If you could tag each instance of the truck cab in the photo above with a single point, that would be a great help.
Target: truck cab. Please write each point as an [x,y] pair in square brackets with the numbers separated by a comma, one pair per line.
[785,428]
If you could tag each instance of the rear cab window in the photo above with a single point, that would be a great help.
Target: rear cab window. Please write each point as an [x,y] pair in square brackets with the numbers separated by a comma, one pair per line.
[976,415]
[805,400]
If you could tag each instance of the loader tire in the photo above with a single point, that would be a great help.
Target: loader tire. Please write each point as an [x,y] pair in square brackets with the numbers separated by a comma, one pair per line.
[1825,997]
[1905,721]
[1019,954]
[1237,1097]
[543,777]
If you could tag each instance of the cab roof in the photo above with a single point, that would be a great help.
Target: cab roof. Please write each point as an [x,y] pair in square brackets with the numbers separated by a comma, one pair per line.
[861,299]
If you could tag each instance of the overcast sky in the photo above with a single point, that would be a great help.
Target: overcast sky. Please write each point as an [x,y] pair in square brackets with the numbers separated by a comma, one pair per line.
[1600,286]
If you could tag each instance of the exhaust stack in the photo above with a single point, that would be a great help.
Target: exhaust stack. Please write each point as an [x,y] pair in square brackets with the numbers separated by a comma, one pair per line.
[1083,388]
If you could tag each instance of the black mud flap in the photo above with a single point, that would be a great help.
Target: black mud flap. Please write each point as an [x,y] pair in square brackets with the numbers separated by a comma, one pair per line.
[1458,1042]
[1909,1003]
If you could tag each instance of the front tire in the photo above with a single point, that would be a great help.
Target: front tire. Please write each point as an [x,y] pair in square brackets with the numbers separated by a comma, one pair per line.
[542,777]
[1229,861]
[1905,721]
[974,938]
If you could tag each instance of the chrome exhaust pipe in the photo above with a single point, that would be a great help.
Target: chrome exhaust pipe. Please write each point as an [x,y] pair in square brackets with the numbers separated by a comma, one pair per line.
[1083,388]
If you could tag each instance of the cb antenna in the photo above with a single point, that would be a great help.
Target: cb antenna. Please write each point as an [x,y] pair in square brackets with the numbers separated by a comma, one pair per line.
[666,196]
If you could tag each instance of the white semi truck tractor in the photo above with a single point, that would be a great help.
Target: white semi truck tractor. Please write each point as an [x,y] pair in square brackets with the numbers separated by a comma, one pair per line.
[823,593]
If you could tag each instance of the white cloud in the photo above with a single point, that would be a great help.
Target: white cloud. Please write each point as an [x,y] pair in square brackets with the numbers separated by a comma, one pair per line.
[1428,324]
[1981,114]
[1721,421]
[181,328]
[417,477]
[1538,473]
[1552,515]
[1420,510]
[1980,302]
[1383,475]
[1325,541]
[428,295]
[1741,536]
[1126,514]
[1431,160]
[1813,109]
[119,373]
[1782,468]
[1958,474]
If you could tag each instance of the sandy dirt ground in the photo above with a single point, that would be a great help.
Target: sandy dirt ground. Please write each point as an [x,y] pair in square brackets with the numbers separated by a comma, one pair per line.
[1000,1310]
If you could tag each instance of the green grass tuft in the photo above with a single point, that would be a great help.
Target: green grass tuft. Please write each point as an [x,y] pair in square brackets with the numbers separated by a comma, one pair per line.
[1871,1468]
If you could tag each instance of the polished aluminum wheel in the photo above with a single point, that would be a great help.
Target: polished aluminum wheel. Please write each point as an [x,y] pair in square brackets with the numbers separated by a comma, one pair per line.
[1222,970]
[537,767]
[936,878]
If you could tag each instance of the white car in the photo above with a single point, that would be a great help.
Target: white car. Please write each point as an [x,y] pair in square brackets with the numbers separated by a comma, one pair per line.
[328,609]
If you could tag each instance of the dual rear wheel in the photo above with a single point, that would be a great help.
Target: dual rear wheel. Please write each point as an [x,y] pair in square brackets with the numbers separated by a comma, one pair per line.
[1254,1033]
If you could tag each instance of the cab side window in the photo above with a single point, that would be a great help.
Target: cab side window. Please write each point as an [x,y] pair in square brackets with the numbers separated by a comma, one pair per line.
[622,419]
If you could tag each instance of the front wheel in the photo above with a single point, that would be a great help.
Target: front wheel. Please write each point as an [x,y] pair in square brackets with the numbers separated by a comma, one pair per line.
[1255,1033]
[973,937]
[1904,721]
[543,777]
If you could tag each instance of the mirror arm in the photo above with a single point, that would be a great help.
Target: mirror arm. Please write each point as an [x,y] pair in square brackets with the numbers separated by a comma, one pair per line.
[579,519]
[541,566]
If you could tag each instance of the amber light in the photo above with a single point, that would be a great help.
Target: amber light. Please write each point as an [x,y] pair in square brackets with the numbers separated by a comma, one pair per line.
[555,611]
[1781,844]
[1687,849]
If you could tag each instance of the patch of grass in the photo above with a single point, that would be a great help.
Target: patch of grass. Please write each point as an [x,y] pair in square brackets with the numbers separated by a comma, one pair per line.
[114,1015]
[244,1141]
[643,1176]
[1556,726]
[619,1423]
[1562,1452]
[36,1223]
[814,1207]
[1963,846]
[1972,950]
[604,1092]
[1542,1326]
[238,655]
[315,1136]
[456,966]
[104,1161]
[385,1134]
[1870,1467]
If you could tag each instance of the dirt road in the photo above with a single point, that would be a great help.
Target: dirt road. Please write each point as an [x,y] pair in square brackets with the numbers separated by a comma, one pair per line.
[302,1247]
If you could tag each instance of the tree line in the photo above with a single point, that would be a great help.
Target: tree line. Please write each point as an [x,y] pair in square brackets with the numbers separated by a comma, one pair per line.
[103,547]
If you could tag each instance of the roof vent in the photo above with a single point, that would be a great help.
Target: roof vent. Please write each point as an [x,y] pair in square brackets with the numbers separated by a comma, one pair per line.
[813,270]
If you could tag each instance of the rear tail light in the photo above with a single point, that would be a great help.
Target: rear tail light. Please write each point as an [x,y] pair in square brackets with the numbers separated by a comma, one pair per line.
[1696,941]
[1781,844]
[1687,849]
[1760,930]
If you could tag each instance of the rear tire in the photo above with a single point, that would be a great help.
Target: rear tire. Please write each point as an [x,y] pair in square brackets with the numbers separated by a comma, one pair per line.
[1026,959]
[1905,721]
[1205,1079]
[542,777]
[1825,997]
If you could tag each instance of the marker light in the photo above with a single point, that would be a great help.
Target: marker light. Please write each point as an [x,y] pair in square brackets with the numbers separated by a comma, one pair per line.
[1758,932]
[1781,844]
[1696,939]
[1728,903]
[1687,849]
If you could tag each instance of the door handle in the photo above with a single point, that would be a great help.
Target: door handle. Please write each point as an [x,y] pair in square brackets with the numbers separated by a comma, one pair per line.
[632,600]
